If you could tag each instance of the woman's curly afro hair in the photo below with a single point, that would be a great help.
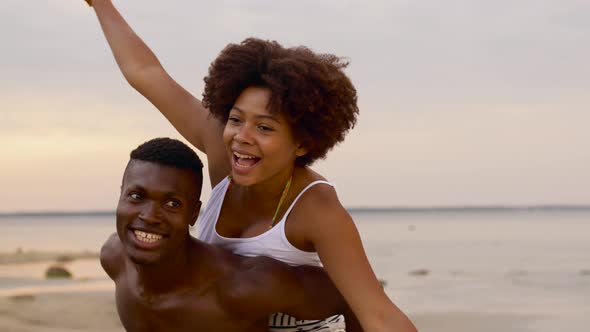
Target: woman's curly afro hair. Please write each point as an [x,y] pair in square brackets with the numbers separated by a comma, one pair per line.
[309,89]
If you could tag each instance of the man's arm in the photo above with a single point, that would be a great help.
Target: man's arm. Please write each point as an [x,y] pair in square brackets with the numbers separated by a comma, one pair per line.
[110,256]
[318,290]
[305,292]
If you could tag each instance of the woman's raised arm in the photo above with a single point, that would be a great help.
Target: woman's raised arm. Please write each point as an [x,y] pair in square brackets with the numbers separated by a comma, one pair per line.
[143,71]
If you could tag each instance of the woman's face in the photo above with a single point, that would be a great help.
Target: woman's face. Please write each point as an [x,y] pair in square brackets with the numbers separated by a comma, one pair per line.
[260,144]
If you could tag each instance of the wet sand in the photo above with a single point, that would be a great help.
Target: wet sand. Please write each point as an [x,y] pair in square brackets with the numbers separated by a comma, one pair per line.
[63,312]
[95,311]
[29,302]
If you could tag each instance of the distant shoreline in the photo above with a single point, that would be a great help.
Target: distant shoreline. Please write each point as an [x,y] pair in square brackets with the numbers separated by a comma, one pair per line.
[394,209]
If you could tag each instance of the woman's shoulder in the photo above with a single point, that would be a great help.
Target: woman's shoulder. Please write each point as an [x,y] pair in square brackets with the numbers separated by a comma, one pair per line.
[308,183]
[318,199]
[316,212]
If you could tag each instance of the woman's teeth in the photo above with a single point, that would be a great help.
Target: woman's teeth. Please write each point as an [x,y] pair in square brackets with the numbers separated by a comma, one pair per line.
[244,156]
[147,237]
[245,161]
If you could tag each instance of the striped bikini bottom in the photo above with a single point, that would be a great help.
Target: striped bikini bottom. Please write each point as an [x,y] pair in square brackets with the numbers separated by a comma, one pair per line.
[280,322]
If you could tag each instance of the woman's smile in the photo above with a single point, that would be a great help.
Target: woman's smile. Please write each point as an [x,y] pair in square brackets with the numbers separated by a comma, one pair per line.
[243,163]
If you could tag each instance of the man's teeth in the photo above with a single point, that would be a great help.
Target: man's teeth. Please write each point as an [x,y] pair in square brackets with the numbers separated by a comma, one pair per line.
[147,237]
[243,156]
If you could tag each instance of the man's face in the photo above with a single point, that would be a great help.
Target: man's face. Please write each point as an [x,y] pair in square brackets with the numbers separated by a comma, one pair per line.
[156,206]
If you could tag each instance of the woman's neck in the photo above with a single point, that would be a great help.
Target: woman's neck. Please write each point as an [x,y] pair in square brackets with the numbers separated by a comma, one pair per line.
[270,189]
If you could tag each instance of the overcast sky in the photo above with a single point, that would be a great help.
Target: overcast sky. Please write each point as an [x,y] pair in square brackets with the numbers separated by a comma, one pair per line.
[462,102]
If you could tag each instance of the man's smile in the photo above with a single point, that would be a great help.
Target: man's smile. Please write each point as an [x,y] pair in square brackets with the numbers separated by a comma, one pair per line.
[147,237]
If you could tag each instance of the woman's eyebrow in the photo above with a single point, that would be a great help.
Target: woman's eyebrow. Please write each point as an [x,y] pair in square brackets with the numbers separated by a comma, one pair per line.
[259,116]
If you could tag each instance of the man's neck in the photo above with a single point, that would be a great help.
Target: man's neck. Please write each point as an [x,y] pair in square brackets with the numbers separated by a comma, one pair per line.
[176,272]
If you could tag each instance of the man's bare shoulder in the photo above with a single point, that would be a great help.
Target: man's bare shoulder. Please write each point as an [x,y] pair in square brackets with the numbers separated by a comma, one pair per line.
[111,257]
[258,286]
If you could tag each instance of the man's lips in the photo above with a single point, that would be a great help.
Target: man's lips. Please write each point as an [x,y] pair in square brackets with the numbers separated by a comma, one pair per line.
[146,239]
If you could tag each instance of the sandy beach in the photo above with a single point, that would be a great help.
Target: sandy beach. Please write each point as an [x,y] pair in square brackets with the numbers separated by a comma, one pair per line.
[63,312]
[31,303]
[95,311]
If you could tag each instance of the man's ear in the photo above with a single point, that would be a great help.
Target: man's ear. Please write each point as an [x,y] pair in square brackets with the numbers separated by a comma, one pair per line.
[196,212]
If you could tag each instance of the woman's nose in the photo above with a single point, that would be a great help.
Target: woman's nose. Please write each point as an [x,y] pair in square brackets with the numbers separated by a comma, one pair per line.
[244,135]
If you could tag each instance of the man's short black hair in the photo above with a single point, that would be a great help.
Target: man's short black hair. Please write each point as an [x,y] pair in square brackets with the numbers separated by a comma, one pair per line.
[169,152]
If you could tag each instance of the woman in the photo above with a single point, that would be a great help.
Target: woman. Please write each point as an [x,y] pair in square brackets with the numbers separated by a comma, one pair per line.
[268,112]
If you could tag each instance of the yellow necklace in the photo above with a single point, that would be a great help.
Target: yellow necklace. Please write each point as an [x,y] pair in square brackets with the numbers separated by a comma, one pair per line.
[283,196]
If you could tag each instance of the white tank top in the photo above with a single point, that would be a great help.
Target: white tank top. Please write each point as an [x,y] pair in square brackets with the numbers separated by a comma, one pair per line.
[272,243]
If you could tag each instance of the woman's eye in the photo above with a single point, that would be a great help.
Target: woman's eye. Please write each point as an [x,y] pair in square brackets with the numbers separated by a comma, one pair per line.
[265,128]
[135,196]
[233,119]
[173,204]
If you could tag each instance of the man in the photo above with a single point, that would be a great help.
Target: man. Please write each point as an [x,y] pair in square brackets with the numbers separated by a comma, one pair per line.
[166,280]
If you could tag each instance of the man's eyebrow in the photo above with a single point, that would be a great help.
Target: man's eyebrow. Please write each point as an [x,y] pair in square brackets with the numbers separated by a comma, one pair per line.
[169,194]
[134,187]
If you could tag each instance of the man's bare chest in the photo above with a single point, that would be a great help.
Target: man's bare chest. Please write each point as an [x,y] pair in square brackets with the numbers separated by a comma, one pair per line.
[186,311]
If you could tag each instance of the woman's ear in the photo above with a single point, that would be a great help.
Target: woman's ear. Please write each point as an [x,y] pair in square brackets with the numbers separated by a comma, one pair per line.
[300,151]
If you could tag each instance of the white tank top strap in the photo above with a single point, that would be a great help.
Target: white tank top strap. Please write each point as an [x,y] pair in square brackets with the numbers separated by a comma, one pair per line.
[301,193]
[208,218]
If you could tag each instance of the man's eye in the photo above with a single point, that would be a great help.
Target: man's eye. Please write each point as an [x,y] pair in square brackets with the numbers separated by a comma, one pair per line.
[173,204]
[135,196]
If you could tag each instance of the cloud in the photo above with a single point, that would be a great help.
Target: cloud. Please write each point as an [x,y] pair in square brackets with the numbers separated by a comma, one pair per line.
[461,101]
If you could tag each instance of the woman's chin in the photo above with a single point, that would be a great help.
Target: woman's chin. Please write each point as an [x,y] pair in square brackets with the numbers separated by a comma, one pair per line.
[245,175]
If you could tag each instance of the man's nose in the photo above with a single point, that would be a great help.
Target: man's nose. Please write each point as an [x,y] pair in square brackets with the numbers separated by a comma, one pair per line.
[151,213]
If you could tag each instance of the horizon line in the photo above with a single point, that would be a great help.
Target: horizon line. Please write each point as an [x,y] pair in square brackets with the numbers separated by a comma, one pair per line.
[357,209]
